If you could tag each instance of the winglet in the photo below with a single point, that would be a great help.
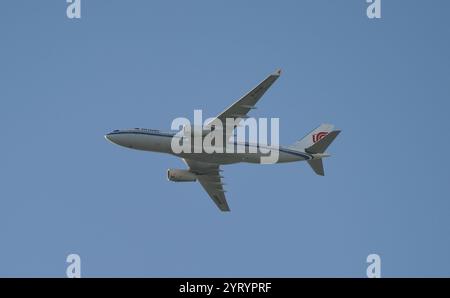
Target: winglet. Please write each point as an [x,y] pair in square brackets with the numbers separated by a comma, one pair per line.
[278,72]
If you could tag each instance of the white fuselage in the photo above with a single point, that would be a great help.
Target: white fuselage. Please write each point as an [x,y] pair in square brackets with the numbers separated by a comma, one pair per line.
[156,141]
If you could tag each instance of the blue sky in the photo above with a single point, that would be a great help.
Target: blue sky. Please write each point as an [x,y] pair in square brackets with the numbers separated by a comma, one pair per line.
[65,83]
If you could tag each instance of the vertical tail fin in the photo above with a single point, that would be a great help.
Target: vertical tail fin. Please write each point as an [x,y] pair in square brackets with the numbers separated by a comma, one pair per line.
[318,149]
[313,137]
[322,145]
[315,143]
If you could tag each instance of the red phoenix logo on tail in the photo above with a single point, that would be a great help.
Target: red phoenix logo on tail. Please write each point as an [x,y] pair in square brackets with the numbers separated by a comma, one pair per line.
[318,136]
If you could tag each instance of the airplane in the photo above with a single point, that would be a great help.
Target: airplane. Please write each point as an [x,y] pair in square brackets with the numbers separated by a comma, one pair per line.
[205,167]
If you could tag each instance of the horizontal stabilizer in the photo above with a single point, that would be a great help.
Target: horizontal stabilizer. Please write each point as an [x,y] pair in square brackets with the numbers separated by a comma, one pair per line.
[317,166]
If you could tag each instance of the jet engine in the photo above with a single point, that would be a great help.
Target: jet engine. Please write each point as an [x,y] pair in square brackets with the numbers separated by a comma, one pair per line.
[178,175]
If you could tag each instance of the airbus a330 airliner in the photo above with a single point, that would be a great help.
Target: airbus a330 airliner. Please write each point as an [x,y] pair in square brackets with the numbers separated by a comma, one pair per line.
[205,167]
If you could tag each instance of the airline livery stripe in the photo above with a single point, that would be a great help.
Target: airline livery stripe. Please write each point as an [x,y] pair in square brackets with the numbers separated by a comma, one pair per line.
[170,135]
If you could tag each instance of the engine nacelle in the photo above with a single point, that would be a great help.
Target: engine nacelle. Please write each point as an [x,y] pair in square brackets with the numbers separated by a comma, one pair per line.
[177,175]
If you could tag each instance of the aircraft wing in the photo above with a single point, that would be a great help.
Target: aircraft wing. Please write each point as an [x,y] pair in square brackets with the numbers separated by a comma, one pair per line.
[240,108]
[209,177]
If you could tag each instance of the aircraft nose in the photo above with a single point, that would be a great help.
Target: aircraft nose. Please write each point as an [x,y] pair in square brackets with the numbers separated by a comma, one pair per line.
[110,138]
